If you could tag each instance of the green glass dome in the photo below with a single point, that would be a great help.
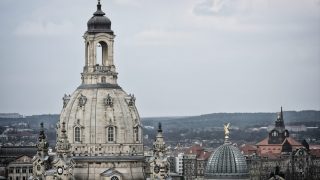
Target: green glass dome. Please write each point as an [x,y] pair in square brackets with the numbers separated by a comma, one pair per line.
[227,162]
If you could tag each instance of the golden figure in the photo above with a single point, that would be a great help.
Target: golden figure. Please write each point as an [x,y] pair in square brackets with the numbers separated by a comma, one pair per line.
[226,130]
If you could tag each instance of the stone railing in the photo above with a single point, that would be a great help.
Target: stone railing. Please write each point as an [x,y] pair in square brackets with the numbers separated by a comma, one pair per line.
[102,68]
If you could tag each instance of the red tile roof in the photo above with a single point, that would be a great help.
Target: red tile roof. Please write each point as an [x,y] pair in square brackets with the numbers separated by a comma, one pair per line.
[204,155]
[315,150]
[290,140]
[199,152]
[293,142]
[195,149]
[248,149]
[263,142]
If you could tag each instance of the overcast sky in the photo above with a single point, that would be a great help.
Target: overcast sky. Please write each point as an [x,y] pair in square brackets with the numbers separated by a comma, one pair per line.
[179,57]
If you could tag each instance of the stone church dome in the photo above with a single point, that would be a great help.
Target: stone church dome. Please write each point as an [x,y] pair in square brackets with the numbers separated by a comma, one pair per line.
[101,120]
[94,110]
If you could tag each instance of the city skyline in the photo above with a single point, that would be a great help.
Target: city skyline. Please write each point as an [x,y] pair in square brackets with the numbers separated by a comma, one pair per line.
[186,58]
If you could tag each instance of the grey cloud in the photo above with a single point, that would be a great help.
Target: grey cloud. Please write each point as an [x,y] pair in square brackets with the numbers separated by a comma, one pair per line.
[215,8]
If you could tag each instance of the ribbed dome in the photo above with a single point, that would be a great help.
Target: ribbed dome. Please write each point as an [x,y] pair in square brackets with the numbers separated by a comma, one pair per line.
[99,23]
[227,162]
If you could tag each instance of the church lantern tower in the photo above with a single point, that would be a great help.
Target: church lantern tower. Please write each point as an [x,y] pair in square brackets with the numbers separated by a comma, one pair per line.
[101,121]
[99,68]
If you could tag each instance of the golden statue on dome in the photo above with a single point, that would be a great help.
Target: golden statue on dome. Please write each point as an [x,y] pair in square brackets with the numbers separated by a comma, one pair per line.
[226,131]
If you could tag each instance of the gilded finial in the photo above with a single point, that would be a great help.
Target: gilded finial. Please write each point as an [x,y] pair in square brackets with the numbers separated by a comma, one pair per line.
[226,132]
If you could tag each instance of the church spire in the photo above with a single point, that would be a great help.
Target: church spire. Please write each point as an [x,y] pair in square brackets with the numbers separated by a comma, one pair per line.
[99,12]
[159,144]
[63,145]
[159,165]
[41,132]
[280,121]
[159,127]
[42,143]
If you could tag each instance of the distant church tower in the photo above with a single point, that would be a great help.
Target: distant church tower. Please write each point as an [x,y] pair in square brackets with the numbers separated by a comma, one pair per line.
[101,121]
[159,165]
[41,161]
[62,164]
[278,134]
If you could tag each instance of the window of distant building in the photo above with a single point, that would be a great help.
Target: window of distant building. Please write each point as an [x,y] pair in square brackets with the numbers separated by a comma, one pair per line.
[274,133]
[77,134]
[17,170]
[30,170]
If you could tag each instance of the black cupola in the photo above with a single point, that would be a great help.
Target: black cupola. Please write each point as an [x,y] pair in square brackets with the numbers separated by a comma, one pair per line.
[99,23]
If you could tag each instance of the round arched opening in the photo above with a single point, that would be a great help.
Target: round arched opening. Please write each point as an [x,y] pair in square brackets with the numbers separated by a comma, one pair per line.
[102,53]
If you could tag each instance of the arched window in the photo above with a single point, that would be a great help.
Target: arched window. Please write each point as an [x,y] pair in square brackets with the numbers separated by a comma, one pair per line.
[136,133]
[103,79]
[114,178]
[110,134]
[274,133]
[102,53]
[87,54]
[77,134]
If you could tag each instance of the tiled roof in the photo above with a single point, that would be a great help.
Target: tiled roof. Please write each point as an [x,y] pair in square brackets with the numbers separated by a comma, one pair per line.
[248,149]
[195,149]
[315,150]
[263,142]
[290,140]
[293,142]
[204,155]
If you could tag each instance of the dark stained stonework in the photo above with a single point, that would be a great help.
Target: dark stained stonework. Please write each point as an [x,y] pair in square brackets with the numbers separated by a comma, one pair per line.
[102,85]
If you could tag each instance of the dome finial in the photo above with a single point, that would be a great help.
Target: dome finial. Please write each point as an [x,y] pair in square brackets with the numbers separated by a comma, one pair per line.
[99,6]
[226,132]
[159,127]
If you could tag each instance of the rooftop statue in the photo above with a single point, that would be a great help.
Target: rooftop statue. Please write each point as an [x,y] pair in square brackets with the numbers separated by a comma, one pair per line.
[226,131]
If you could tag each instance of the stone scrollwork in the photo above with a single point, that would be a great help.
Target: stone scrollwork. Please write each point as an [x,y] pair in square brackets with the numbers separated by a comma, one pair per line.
[66,99]
[82,100]
[108,101]
[131,100]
